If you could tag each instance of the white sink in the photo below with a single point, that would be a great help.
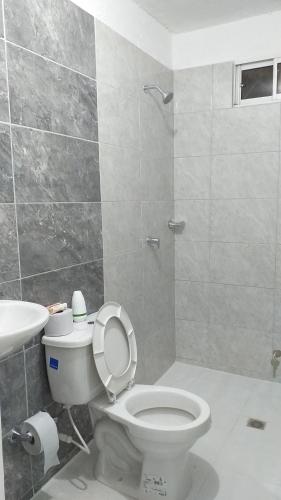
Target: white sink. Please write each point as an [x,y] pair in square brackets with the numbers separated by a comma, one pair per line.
[19,322]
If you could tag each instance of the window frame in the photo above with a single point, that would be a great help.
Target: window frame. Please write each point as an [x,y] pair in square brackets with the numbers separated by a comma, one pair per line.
[252,65]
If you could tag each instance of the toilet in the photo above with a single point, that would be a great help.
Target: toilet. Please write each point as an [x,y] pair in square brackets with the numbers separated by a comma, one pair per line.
[143,432]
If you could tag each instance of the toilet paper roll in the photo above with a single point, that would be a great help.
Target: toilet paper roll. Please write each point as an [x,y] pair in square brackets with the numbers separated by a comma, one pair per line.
[59,324]
[44,430]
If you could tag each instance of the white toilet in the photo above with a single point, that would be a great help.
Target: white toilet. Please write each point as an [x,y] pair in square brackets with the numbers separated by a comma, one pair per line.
[144,432]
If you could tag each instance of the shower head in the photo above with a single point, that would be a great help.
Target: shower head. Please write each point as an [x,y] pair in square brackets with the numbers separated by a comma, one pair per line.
[166,96]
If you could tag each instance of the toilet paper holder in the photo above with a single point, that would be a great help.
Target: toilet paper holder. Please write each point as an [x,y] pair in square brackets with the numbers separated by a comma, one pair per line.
[16,436]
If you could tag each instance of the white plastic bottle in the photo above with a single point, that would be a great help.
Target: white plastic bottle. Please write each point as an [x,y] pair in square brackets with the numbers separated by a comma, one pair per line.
[79,310]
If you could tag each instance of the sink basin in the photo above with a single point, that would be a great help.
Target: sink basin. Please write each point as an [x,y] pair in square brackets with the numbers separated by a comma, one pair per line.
[19,322]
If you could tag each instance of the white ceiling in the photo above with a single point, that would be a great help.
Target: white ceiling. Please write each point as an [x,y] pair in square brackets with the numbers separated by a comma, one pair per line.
[187,15]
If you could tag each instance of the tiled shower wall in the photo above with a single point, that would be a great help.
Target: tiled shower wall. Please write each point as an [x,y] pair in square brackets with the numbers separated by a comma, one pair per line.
[50,211]
[136,150]
[228,259]
[52,206]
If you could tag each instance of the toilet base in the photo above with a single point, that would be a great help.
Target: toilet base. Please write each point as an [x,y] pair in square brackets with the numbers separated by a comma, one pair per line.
[170,478]
[119,464]
[141,476]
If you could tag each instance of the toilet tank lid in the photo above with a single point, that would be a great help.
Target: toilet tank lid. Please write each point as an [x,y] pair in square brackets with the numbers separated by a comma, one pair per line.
[79,337]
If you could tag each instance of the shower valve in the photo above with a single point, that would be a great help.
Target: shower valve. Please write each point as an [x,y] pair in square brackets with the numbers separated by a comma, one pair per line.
[153,242]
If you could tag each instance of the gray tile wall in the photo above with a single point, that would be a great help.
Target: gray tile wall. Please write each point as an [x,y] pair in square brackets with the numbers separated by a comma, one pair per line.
[50,210]
[136,150]
[227,189]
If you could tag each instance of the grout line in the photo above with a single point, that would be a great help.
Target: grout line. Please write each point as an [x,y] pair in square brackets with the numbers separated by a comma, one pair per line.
[11,148]
[216,283]
[13,44]
[224,242]
[62,268]
[10,281]
[232,153]
[27,127]
[25,381]
[276,237]
[57,203]
[228,199]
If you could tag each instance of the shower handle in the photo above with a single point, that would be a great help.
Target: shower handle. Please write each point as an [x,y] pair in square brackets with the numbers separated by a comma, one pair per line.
[153,242]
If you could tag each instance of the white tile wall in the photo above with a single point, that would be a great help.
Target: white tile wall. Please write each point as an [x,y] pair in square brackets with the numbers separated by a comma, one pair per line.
[228,259]
[136,158]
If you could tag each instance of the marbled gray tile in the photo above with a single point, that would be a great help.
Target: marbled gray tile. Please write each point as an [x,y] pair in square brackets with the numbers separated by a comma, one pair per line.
[192,134]
[279,222]
[119,174]
[245,175]
[9,265]
[156,137]
[191,260]
[155,217]
[12,392]
[157,178]
[244,307]
[118,110]
[223,85]
[121,227]
[38,392]
[123,276]
[158,268]
[159,353]
[244,220]
[277,311]
[53,236]
[50,97]
[246,129]
[50,167]
[192,301]
[10,290]
[17,471]
[239,350]
[41,27]
[278,265]
[6,176]
[195,214]
[58,286]
[118,60]
[192,340]
[4,108]
[193,89]
[192,177]
[158,298]
[242,264]
[1,24]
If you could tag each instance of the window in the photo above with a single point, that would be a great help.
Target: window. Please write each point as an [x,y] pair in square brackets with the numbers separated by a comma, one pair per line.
[258,82]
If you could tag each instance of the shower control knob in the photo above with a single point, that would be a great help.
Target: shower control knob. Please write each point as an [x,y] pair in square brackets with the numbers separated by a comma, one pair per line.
[153,242]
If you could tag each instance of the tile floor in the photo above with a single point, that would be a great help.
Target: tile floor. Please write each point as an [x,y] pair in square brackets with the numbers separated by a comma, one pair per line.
[231,462]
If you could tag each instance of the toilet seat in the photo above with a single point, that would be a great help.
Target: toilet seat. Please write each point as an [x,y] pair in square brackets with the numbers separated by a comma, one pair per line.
[114,349]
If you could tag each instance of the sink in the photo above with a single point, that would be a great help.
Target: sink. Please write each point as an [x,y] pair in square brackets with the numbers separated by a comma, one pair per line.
[19,322]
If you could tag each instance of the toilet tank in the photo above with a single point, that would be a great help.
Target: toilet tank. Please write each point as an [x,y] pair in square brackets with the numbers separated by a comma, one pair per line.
[71,370]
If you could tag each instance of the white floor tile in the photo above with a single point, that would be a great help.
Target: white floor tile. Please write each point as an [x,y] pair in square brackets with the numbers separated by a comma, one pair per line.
[233,486]
[253,452]
[231,462]
[265,402]
[180,375]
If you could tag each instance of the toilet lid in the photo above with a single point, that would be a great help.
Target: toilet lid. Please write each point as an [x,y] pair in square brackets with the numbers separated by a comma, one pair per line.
[114,348]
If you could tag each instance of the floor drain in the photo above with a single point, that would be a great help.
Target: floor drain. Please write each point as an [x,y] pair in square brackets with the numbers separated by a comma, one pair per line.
[256,424]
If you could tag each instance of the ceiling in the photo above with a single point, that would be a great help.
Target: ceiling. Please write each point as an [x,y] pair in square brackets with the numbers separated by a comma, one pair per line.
[187,15]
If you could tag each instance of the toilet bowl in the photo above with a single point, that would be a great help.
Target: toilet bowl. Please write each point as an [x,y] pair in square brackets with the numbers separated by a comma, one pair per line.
[162,423]
[143,432]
